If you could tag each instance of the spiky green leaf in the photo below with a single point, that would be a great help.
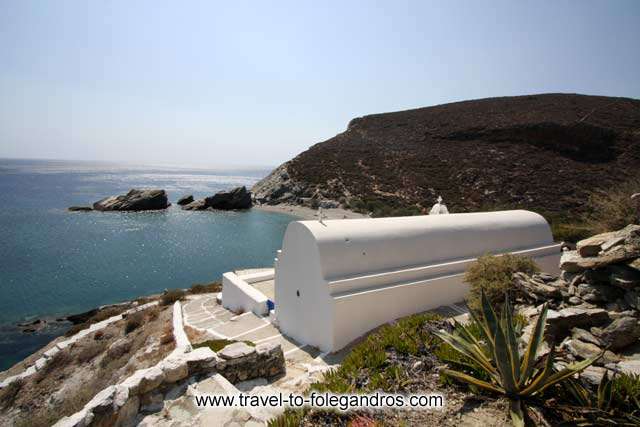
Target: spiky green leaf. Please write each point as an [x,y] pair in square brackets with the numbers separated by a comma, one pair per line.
[471,380]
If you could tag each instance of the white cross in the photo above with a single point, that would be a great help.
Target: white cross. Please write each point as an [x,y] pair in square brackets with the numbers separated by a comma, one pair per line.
[321,215]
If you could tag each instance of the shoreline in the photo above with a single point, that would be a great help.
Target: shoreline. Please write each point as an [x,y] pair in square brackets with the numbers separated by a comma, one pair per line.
[306,213]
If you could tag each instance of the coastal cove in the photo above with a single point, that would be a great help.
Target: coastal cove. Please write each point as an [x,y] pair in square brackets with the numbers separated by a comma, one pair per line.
[56,262]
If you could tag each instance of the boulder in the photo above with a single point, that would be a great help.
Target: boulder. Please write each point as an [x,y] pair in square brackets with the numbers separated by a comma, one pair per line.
[79,208]
[583,350]
[585,336]
[560,322]
[185,200]
[539,287]
[593,245]
[624,276]
[614,248]
[134,200]
[238,198]
[594,293]
[236,350]
[196,205]
[593,374]
[621,333]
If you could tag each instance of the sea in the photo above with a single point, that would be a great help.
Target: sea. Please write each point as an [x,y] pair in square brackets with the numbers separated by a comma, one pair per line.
[54,262]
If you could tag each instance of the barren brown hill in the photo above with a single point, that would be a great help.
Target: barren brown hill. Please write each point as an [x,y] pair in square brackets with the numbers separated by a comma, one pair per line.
[543,152]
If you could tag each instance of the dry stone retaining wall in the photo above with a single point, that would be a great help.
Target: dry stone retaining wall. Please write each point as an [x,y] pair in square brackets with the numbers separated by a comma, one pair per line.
[62,345]
[145,391]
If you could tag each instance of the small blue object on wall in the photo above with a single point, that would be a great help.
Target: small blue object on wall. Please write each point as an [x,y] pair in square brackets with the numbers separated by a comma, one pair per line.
[270,305]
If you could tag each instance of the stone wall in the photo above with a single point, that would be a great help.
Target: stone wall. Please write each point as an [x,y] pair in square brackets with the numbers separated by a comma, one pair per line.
[62,345]
[145,391]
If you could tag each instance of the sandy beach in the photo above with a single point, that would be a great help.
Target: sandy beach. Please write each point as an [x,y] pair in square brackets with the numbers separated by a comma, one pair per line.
[303,212]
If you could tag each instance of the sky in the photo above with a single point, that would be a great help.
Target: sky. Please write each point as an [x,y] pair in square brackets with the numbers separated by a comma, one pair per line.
[236,83]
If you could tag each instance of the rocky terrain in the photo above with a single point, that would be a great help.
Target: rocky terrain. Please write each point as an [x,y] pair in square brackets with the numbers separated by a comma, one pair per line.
[542,152]
[595,303]
[238,198]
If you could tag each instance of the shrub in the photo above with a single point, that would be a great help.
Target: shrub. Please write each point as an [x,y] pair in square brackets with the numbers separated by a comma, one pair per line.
[209,288]
[9,393]
[615,402]
[366,367]
[171,296]
[613,209]
[493,274]
[89,351]
[289,418]
[134,321]
[516,376]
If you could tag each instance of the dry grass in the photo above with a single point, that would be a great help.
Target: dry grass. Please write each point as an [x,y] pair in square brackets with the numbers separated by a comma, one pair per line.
[208,288]
[614,209]
[167,335]
[171,296]
[94,362]
[494,275]
[195,335]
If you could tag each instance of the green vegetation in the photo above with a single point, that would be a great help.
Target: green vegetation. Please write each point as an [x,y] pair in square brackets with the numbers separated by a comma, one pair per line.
[616,401]
[171,296]
[514,375]
[493,276]
[379,208]
[217,345]
[290,418]
[368,359]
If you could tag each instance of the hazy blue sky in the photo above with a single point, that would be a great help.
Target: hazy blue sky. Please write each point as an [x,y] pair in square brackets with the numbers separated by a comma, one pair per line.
[236,83]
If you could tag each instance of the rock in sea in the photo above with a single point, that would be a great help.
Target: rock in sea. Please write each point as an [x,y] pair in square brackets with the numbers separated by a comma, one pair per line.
[238,198]
[185,200]
[134,200]
[79,208]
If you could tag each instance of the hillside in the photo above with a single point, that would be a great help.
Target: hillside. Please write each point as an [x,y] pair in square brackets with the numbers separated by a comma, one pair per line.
[543,152]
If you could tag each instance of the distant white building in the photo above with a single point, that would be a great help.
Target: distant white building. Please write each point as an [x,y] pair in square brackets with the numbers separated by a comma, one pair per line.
[335,280]
[439,208]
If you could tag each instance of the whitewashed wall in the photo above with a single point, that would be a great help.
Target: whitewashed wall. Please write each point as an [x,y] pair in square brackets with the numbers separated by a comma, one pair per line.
[336,280]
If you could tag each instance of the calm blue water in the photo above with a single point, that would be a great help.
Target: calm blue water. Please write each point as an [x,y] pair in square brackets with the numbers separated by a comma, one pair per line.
[54,262]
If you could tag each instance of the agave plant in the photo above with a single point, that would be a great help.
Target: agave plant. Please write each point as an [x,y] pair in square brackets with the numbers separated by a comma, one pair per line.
[517,376]
[600,408]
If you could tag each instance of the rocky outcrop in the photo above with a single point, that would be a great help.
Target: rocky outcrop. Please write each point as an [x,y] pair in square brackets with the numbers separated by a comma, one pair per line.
[595,303]
[185,200]
[279,187]
[134,200]
[79,208]
[238,198]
